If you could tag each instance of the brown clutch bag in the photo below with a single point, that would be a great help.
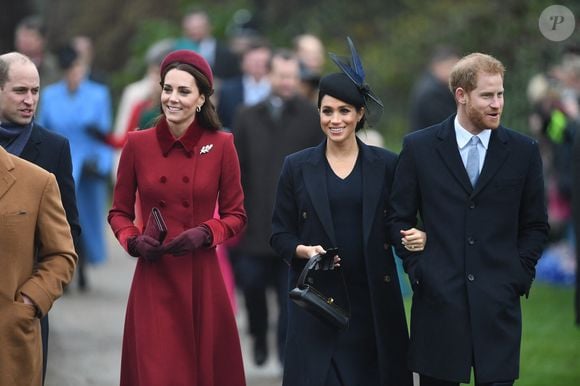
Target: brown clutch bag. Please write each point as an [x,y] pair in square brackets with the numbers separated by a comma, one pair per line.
[156,227]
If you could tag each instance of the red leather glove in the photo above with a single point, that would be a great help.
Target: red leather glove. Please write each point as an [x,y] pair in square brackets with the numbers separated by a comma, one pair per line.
[189,240]
[146,247]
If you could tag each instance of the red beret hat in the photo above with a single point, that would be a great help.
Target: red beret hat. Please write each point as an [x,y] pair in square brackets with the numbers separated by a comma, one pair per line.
[188,57]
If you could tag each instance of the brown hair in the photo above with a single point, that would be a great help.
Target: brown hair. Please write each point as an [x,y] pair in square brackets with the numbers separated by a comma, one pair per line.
[464,73]
[208,116]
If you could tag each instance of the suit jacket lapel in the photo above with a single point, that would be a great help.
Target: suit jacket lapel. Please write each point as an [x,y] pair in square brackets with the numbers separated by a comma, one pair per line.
[7,179]
[495,156]
[373,173]
[449,152]
[315,182]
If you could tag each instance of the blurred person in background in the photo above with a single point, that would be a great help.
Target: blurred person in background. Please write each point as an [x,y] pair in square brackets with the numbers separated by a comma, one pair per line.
[20,136]
[310,52]
[248,89]
[80,110]
[198,36]
[138,94]
[431,100]
[83,45]
[576,220]
[180,328]
[335,195]
[264,134]
[478,188]
[30,40]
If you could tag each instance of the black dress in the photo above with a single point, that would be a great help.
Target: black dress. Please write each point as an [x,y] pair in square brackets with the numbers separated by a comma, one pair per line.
[354,361]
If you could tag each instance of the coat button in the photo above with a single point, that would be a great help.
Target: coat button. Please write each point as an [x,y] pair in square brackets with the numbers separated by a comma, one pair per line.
[185,203]
[304,215]
[472,205]
[386,246]
[470,241]
[185,179]
[163,179]
[470,277]
[387,279]
[162,203]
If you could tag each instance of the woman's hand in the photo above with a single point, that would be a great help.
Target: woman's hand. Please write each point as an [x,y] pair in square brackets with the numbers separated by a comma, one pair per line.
[308,251]
[413,239]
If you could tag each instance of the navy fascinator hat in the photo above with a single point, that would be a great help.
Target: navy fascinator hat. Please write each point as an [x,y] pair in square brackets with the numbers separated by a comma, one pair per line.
[350,85]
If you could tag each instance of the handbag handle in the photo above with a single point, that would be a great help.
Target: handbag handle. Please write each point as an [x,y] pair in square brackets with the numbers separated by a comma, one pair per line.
[309,265]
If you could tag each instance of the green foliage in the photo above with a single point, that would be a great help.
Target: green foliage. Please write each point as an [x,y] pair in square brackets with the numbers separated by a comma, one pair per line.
[395,38]
[550,342]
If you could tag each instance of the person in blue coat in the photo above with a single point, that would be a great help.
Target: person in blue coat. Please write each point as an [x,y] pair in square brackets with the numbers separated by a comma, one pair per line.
[335,195]
[80,110]
[478,189]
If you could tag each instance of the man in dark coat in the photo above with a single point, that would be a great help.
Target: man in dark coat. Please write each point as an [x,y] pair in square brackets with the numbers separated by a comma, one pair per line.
[264,134]
[19,135]
[479,190]
[431,101]
[248,89]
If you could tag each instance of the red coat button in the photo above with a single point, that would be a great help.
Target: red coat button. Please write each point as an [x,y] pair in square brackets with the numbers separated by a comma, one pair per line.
[162,203]
[186,179]
[185,204]
[163,179]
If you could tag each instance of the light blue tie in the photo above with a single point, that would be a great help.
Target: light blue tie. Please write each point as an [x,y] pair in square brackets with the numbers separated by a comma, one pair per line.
[472,165]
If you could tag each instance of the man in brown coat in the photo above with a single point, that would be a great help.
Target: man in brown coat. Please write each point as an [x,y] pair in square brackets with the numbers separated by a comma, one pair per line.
[37,258]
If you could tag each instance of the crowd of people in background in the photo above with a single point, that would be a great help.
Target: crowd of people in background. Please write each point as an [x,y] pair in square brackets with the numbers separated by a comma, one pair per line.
[267,97]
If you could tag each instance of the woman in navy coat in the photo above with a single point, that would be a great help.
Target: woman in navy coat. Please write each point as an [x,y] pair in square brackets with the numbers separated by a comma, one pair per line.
[179,327]
[335,195]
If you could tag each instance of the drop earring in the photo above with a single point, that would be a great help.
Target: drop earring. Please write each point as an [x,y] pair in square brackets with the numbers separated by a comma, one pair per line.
[198,109]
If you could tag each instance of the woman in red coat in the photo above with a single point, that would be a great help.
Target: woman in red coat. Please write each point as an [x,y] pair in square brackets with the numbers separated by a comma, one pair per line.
[179,327]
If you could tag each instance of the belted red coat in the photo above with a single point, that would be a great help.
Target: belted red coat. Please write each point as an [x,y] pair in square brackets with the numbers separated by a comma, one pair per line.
[179,327]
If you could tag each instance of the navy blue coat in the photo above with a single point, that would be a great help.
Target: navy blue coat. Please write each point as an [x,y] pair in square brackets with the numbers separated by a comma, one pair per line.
[51,151]
[482,247]
[302,216]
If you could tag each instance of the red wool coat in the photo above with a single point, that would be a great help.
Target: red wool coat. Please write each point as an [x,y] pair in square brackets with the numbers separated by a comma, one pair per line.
[179,327]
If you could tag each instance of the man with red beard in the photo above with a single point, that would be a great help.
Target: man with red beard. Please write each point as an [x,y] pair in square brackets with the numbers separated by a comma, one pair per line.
[478,189]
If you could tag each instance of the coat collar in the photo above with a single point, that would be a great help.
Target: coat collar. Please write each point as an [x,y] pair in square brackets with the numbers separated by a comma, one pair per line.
[32,147]
[7,179]
[497,152]
[315,182]
[187,141]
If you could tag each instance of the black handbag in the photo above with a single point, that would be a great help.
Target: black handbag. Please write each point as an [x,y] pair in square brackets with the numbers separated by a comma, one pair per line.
[313,301]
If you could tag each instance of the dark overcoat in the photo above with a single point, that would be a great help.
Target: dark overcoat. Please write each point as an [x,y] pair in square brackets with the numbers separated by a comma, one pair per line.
[262,143]
[482,247]
[51,151]
[302,216]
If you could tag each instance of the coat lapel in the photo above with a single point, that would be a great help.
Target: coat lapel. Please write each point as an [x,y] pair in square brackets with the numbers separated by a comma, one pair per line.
[495,156]
[373,172]
[7,179]
[449,152]
[315,182]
